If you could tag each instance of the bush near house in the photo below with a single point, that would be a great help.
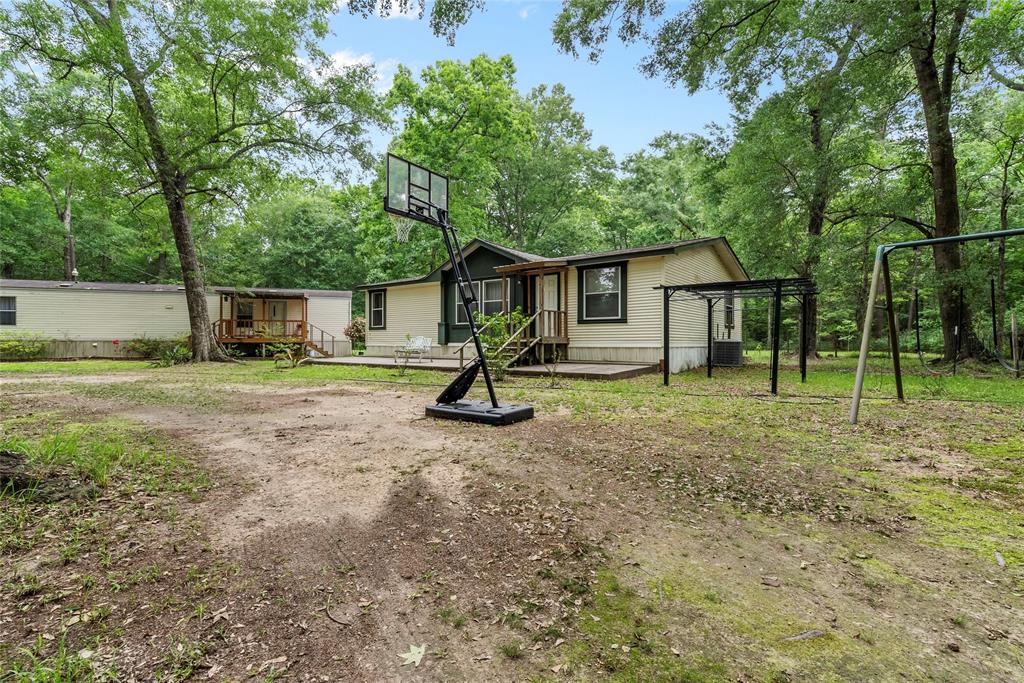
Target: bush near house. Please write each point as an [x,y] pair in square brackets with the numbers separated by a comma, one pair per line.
[499,329]
[147,347]
[22,345]
[356,332]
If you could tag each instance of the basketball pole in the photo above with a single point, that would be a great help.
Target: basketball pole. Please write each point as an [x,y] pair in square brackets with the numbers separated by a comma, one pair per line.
[451,244]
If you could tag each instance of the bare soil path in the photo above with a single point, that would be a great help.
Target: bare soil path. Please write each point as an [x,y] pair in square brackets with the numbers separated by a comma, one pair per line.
[638,541]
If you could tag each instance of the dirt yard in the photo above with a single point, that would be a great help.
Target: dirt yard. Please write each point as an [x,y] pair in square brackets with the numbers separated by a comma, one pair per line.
[247,524]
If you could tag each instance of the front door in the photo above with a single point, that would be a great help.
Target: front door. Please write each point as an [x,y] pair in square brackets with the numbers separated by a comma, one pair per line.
[277,313]
[549,300]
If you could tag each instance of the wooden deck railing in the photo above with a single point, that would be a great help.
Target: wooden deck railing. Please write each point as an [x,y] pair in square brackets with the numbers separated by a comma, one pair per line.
[322,338]
[261,329]
[553,324]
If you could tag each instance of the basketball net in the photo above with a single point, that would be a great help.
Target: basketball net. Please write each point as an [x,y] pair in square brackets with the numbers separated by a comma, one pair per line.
[403,226]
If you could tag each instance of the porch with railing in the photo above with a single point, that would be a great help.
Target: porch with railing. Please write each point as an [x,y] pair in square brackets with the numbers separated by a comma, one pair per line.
[260,330]
[266,331]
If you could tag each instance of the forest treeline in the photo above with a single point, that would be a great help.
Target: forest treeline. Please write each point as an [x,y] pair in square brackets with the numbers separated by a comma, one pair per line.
[209,142]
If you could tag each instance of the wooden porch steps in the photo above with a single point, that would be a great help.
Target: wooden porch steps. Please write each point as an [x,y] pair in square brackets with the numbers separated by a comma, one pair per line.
[316,347]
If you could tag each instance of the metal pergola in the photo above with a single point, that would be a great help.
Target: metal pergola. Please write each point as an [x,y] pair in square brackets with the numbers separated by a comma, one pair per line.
[713,292]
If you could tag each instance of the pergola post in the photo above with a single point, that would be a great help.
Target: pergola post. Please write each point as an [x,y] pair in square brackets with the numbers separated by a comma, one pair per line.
[803,339]
[776,319]
[711,317]
[665,352]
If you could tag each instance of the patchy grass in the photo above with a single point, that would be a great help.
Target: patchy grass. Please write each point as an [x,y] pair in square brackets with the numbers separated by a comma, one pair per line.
[71,367]
[882,537]
[953,520]
[103,451]
[622,641]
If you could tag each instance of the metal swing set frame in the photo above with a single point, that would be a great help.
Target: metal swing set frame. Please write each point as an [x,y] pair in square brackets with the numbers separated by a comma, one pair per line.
[881,269]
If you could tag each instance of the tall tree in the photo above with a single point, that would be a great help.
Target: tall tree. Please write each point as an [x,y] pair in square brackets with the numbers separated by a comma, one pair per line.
[743,44]
[202,96]
[36,143]
[553,171]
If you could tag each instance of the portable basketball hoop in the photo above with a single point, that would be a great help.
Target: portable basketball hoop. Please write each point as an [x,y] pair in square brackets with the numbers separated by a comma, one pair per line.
[418,195]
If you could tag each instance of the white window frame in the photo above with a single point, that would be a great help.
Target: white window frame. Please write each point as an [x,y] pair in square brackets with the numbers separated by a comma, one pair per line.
[483,296]
[617,292]
[12,310]
[382,308]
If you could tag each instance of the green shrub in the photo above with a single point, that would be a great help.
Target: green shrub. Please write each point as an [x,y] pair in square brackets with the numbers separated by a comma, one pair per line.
[22,345]
[287,353]
[501,327]
[155,348]
[172,355]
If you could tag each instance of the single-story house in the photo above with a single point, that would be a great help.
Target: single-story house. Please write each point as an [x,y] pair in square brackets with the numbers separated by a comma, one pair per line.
[97,319]
[590,307]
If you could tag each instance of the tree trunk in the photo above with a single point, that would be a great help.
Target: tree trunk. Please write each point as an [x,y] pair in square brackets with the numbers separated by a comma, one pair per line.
[173,186]
[822,90]
[935,93]
[62,207]
[70,258]
[815,222]
[161,266]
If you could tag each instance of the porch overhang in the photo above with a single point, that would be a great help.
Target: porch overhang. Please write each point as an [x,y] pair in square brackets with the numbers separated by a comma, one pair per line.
[532,267]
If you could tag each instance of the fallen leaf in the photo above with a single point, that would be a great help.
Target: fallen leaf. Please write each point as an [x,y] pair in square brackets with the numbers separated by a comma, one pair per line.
[414,656]
[805,635]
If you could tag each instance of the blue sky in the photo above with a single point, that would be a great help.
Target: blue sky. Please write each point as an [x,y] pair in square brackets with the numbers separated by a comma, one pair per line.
[624,109]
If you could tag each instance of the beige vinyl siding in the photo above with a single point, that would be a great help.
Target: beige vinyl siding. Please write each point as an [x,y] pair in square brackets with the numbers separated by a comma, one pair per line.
[97,315]
[410,311]
[643,311]
[689,315]
[330,313]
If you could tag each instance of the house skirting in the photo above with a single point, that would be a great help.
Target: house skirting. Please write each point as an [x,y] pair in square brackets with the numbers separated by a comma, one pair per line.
[682,357]
[64,349]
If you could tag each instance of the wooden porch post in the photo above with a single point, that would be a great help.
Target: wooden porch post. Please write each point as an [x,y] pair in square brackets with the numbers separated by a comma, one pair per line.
[565,303]
[540,303]
[305,316]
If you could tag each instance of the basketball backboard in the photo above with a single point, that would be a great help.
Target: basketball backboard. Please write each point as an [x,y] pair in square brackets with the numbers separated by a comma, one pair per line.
[415,192]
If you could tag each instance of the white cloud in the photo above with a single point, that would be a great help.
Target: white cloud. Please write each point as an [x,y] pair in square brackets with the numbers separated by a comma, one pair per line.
[385,68]
[342,59]
[525,12]
[392,9]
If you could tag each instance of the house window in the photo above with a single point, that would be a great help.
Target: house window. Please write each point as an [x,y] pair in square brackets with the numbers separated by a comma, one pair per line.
[8,310]
[602,296]
[460,310]
[730,314]
[492,297]
[243,314]
[378,309]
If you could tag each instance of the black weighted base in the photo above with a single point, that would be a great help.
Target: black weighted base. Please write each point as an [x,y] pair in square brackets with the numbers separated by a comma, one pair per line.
[481,411]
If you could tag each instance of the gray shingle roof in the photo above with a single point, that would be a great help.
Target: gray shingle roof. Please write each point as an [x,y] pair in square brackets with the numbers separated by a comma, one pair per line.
[144,287]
